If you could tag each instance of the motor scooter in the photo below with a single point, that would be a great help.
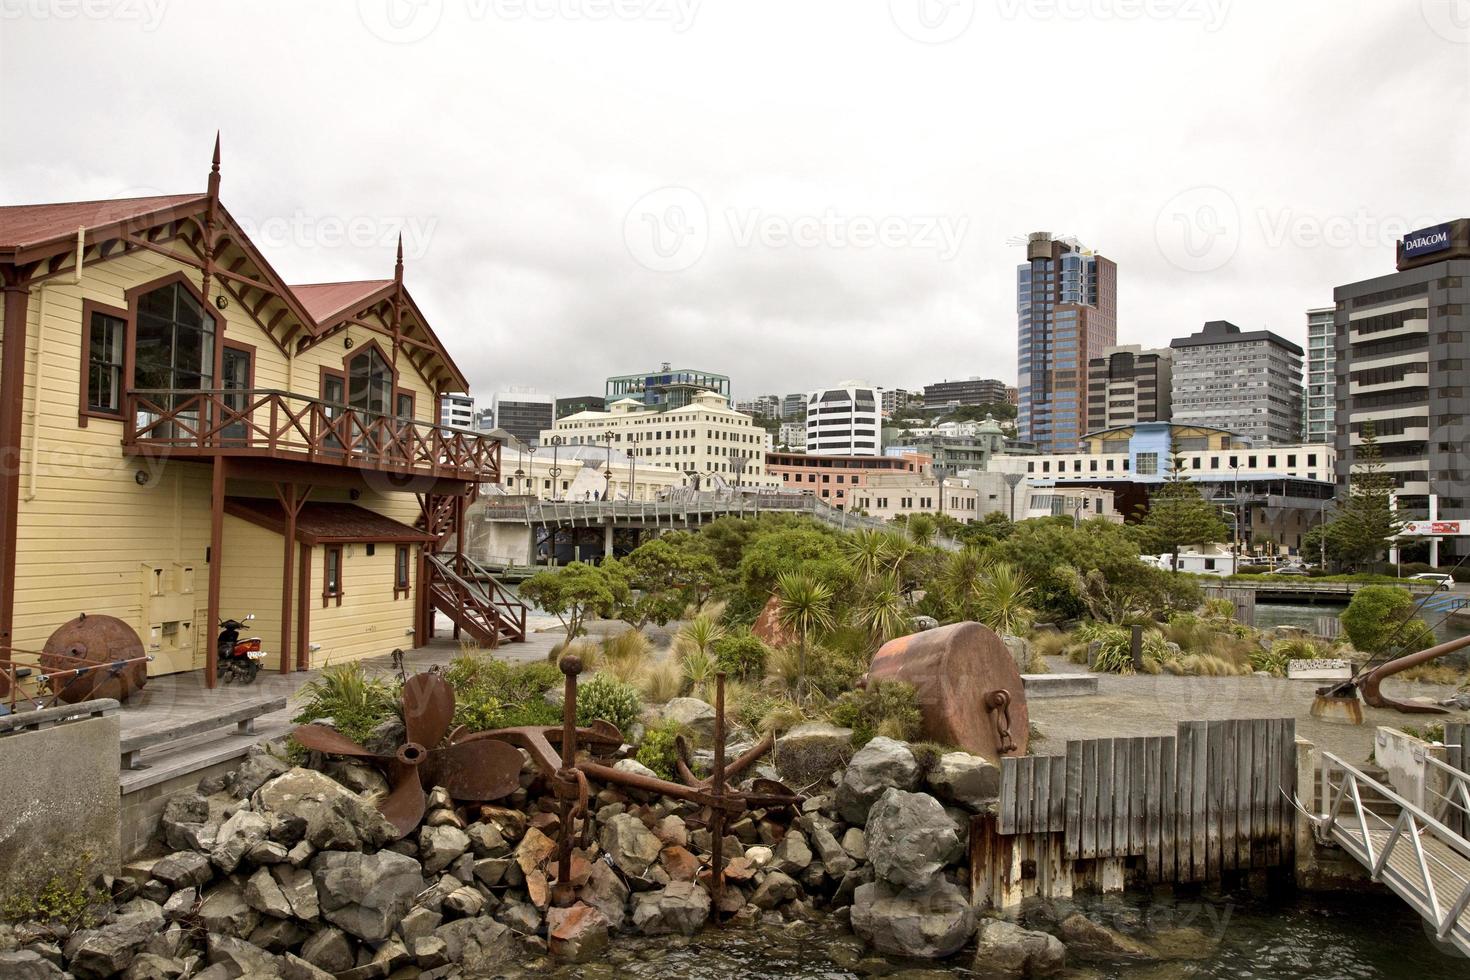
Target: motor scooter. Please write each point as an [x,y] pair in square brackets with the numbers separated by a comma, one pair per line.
[238,660]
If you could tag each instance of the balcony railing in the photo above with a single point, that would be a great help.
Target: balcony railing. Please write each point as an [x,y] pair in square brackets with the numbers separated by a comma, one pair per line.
[280,425]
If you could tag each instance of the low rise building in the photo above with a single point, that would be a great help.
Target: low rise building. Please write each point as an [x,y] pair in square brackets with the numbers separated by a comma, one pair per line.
[970,391]
[579,472]
[973,495]
[766,406]
[706,438]
[832,478]
[668,387]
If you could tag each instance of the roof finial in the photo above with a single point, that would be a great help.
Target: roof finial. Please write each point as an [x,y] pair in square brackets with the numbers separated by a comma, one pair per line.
[214,169]
[398,265]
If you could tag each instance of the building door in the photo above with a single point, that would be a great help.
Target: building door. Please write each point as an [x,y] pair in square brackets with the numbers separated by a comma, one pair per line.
[235,380]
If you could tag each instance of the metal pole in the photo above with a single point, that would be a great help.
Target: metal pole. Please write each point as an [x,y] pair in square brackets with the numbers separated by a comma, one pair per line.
[717,783]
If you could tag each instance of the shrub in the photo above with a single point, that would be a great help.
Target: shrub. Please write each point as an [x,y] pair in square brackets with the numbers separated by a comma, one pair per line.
[1272,661]
[657,750]
[626,655]
[662,681]
[834,671]
[608,699]
[1381,619]
[889,708]
[742,655]
[699,671]
[355,702]
[490,694]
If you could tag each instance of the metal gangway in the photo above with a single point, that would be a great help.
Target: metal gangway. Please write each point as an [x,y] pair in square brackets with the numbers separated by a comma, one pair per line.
[1420,852]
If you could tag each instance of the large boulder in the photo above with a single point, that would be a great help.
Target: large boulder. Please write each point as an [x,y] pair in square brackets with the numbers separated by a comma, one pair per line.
[481,947]
[259,768]
[679,907]
[576,934]
[183,869]
[366,894]
[1091,940]
[966,780]
[631,845]
[881,765]
[910,838]
[926,923]
[1005,951]
[225,911]
[441,846]
[1020,650]
[236,837]
[606,892]
[769,628]
[812,751]
[109,950]
[334,817]
[26,964]
[694,715]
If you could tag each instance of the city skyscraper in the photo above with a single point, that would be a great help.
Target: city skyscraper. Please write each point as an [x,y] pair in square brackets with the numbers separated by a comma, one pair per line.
[1066,312]
[1127,385]
[1321,356]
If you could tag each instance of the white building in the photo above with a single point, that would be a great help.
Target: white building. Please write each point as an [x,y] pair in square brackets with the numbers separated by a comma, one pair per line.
[578,472]
[792,435]
[457,411]
[705,441]
[1320,425]
[844,420]
[972,495]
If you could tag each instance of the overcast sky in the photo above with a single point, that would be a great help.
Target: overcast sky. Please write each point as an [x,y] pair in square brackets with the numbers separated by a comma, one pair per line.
[791,192]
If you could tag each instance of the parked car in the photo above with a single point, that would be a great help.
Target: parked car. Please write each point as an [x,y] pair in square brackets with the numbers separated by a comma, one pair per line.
[1441,579]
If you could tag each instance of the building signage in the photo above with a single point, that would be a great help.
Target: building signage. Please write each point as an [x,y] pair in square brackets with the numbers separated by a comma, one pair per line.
[1433,528]
[1426,241]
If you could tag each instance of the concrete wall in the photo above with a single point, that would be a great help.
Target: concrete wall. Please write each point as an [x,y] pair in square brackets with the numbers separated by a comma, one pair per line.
[59,810]
[1402,756]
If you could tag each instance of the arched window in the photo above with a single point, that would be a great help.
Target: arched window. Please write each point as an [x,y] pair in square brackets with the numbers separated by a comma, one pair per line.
[370,383]
[174,347]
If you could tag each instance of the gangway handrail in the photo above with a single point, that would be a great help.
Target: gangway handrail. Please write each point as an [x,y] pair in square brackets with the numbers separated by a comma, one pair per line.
[1413,824]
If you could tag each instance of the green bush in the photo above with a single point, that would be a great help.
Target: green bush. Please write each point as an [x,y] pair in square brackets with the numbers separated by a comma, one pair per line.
[490,694]
[889,708]
[834,671]
[657,751]
[608,699]
[742,655]
[355,702]
[1381,619]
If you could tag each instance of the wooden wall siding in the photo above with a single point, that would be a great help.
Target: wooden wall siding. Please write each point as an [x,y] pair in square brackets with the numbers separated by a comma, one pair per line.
[1211,799]
[251,583]
[1457,756]
[370,622]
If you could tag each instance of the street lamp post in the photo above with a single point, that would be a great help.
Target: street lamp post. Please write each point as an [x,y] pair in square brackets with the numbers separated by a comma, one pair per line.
[556,443]
[632,462]
[941,473]
[1235,502]
[1012,481]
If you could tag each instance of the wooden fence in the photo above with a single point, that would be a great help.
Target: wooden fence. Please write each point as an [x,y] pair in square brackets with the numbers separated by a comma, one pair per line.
[1214,798]
[1244,601]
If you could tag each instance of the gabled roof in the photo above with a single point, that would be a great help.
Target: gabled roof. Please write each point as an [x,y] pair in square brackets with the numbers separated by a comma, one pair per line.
[25,226]
[326,522]
[325,299]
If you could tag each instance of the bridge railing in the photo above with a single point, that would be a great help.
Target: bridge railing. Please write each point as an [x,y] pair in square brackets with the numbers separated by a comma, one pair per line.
[1416,855]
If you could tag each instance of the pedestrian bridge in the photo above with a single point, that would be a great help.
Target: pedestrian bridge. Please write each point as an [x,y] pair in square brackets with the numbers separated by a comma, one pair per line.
[1419,851]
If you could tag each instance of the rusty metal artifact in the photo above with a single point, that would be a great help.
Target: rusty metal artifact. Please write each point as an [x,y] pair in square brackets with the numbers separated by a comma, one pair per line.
[969,690]
[1369,681]
[94,657]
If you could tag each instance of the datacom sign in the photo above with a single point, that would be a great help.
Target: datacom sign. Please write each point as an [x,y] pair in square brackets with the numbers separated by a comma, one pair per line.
[1426,241]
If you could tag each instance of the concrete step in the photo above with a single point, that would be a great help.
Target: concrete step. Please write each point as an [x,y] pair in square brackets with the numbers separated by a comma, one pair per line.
[1059,685]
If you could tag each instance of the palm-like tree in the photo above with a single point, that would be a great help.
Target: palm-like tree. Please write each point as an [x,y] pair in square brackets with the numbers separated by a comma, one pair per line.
[804,604]
[922,529]
[869,552]
[882,611]
[699,635]
[1001,598]
[961,572]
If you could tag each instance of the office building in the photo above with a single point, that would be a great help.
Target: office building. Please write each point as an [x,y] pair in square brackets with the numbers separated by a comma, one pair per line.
[1320,402]
[1402,350]
[523,412]
[1013,395]
[896,399]
[793,408]
[457,411]
[578,403]
[485,420]
[1126,385]
[1067,312]
[766,406]
[971,391]
[843,421]
[833,478]
[1246,382]
[665,388]
[706,440]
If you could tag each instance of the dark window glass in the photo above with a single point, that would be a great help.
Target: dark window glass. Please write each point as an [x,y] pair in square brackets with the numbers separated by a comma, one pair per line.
[105,363]
[174,347]
[332,572]
[369,382]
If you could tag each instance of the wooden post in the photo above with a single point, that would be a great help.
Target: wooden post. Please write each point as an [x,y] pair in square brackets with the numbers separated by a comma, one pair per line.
[216,563]
[286,493]
[303,625]
[12,395]
[1135,647]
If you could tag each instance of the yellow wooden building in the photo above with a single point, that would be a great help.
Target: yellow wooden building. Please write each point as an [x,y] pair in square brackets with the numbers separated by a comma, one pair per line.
[185,438]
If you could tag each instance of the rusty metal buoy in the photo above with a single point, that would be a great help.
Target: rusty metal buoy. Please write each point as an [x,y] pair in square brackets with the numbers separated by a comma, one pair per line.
[969,689]
[100,641]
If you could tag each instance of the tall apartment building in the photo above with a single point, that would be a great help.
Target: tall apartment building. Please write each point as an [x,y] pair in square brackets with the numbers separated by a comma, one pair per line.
[667,387]
[1402,350]
[457,410]
[704,438]
[1249,383]
[1013,395]
[893,399]
[1127,385]
[766,406]
[971,391]
[793,408]
[1317,423]
[844,421]
[1067,311]
[523,412]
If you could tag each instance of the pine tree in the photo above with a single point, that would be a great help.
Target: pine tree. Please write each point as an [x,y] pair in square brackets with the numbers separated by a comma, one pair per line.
[1366,523]
[1178,515]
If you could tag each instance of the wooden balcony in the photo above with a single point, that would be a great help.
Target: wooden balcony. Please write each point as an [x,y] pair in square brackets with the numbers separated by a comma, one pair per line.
[279,425]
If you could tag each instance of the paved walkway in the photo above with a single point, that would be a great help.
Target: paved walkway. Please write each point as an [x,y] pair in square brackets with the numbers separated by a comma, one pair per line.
[1152,705]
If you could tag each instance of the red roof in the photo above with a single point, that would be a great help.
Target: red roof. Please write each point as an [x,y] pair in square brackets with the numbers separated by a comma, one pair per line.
[322,299]
[25,225]
[325,523]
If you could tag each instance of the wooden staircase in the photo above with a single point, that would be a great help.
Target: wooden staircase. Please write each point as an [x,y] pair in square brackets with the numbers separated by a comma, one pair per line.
[462,589]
